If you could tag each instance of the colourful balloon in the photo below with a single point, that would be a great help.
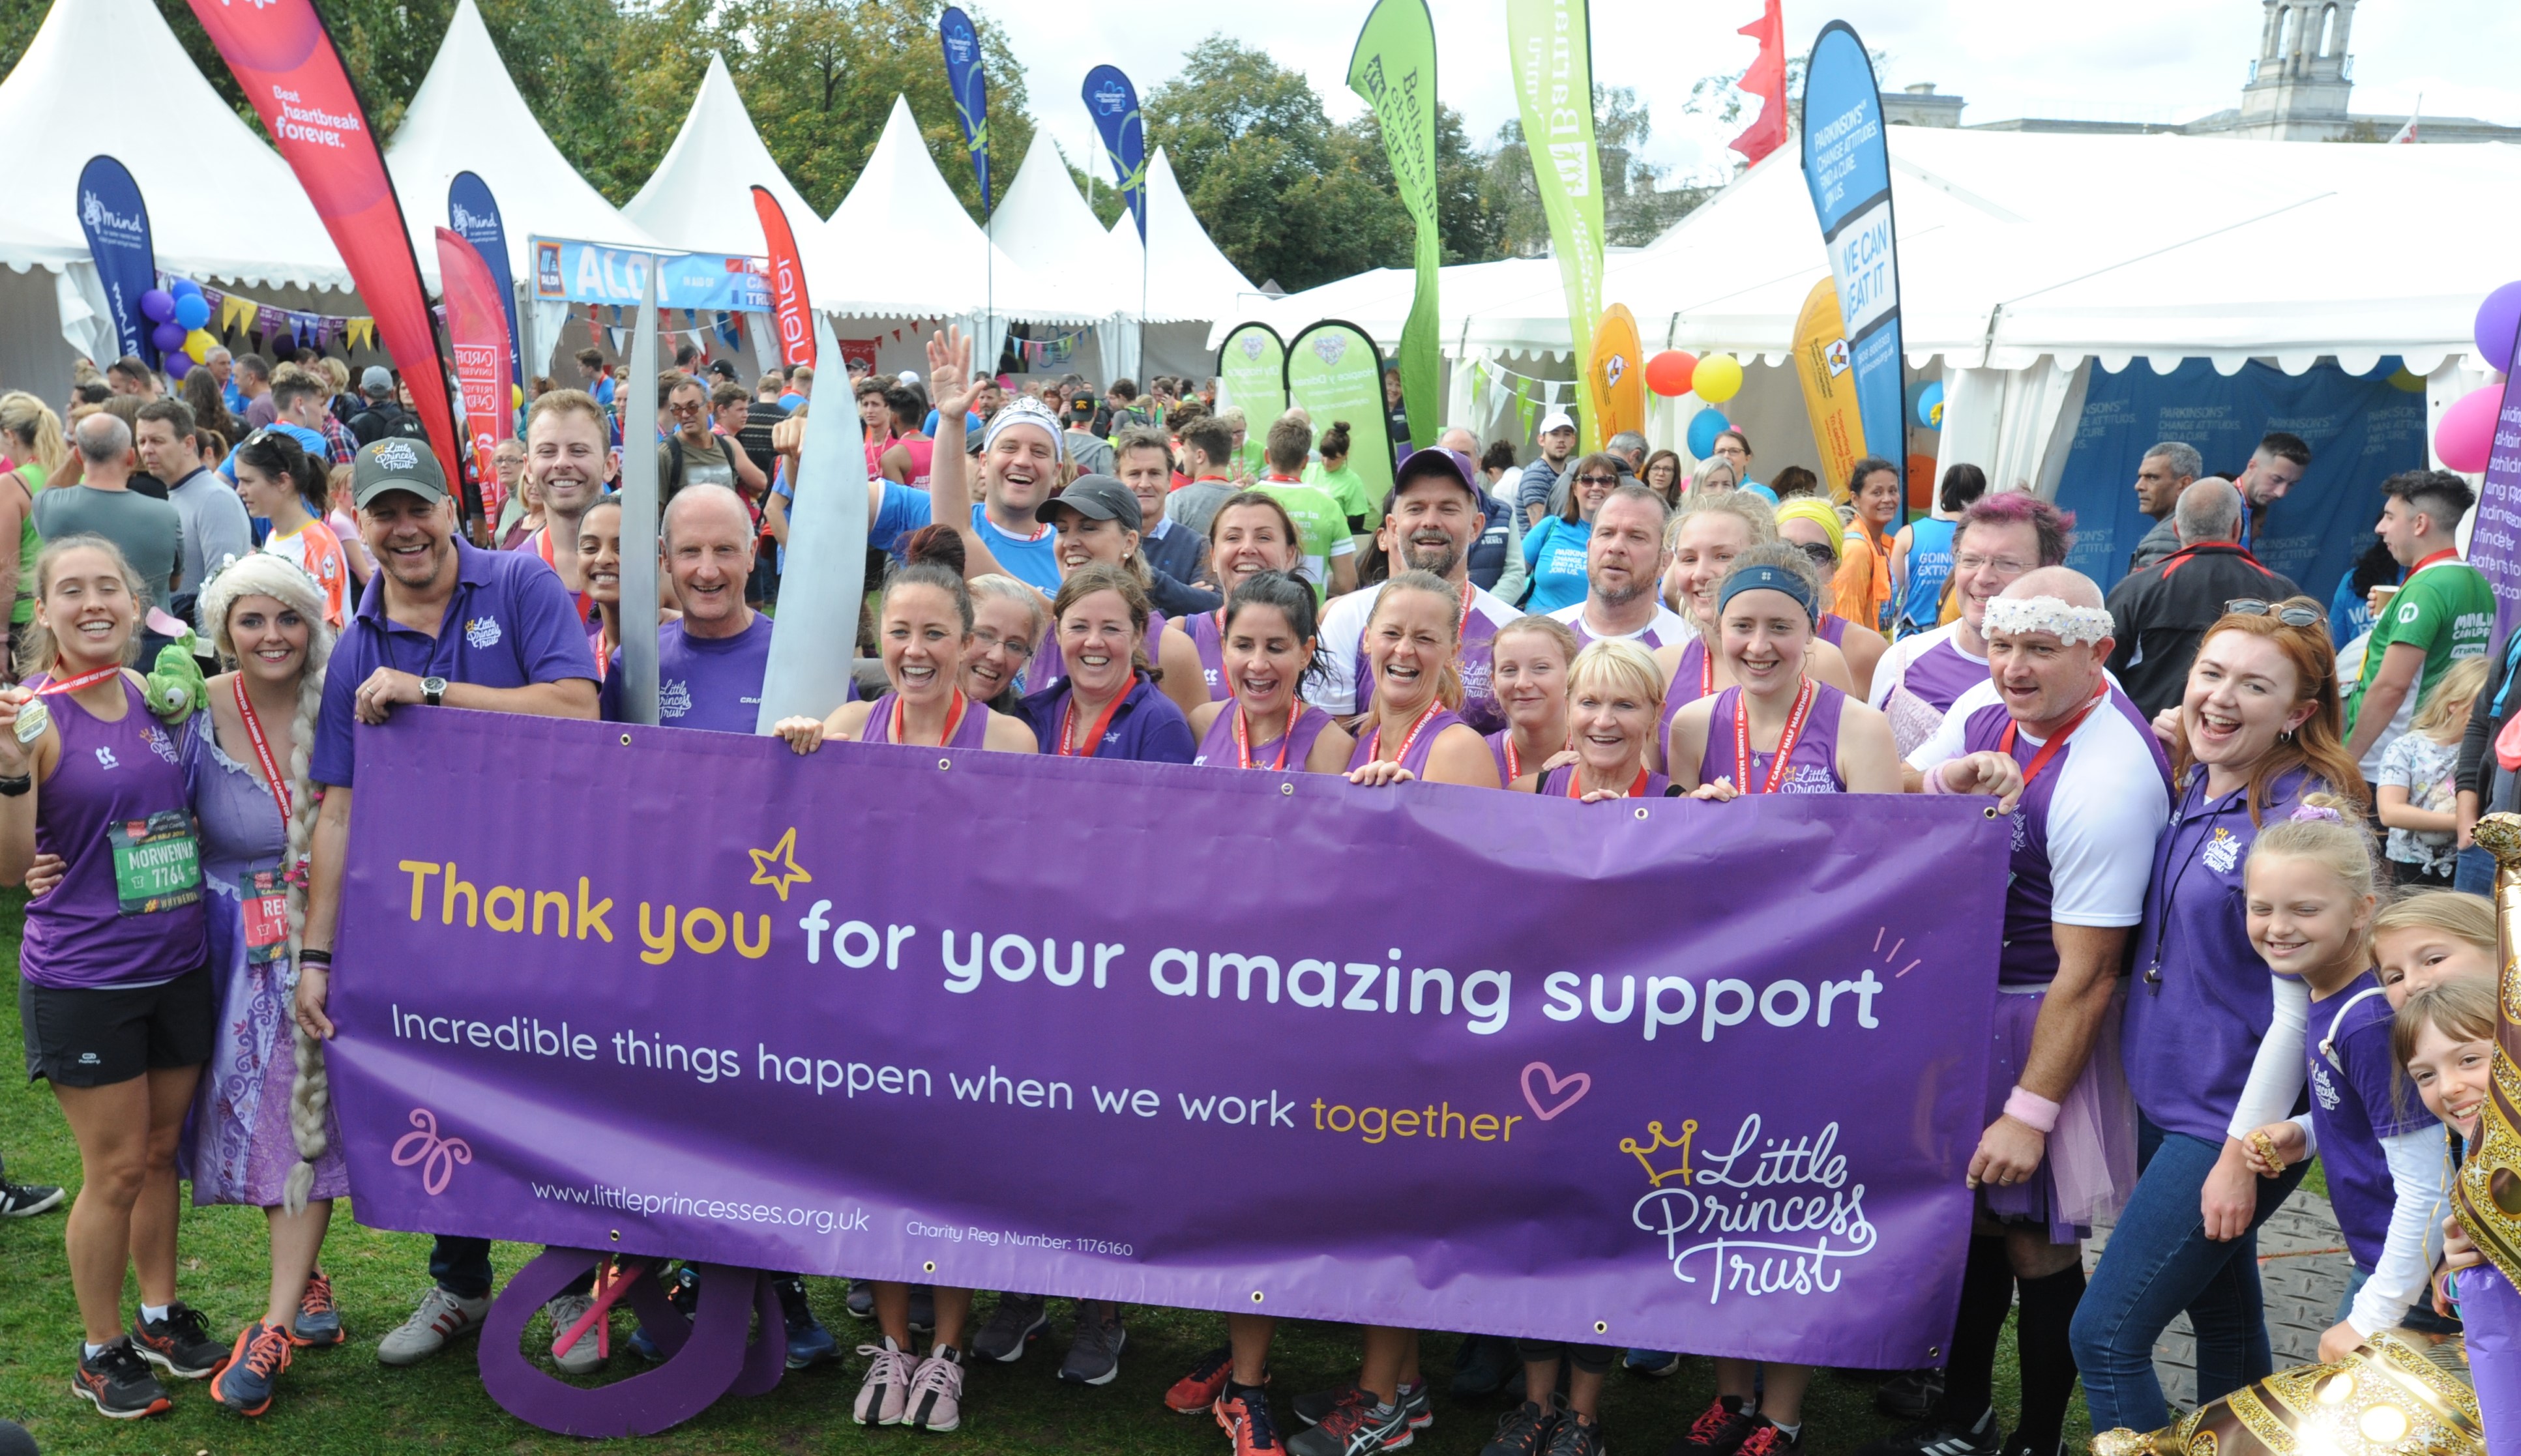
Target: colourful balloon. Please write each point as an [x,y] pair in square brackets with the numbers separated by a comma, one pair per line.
[158,305]
[192,311]
[1667,373]
[2412,384]
[177,366]
[1929,405]
[2464,438]
[515,396]
[198,346]
[168,336]
[2498,319]
[1704,428]
[184,288]
[1717,378]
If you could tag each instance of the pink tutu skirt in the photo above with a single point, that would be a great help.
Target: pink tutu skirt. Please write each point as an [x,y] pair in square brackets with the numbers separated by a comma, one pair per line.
[2091,1168]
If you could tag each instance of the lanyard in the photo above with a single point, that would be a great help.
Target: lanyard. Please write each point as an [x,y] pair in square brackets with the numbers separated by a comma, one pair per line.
[262,749]
[1795,716]
[1374,745]
[1513,759]
[953,720]
[1093,737]
[543,548]
[73,684]
[2170,895]
[1575,782]
[2056,741]
[1706,670]
[1286,740]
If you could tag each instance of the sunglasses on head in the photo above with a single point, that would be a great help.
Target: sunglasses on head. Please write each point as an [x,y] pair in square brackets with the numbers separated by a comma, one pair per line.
[2291,617]
[1818,551]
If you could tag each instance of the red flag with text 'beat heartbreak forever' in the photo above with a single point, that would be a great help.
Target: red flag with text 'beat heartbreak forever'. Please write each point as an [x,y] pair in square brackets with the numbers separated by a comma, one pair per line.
[285,60]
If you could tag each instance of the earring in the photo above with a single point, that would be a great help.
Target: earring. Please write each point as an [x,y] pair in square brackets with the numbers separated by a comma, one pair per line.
[2285,737]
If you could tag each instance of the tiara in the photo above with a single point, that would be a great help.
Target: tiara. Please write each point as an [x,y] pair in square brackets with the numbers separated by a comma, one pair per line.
[2014,616]
[1643,1152]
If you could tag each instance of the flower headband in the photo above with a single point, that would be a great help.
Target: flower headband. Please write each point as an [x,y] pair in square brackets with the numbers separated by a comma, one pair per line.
[2014,616]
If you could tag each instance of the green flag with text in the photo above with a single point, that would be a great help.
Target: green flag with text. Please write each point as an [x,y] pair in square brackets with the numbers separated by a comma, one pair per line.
[1551,50]
[1394,67]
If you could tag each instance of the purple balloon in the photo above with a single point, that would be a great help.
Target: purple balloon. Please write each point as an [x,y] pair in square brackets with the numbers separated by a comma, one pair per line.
[168,336]
[2498,319]
[159,305]
[178,365]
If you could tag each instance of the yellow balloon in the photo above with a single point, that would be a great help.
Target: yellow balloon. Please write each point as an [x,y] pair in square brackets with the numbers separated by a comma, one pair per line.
[1718,379]
[198,346]
[515,396]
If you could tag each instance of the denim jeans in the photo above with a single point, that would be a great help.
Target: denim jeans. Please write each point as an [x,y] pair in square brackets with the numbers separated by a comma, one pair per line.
[2475,873]
[2159,1262]
[461,1265]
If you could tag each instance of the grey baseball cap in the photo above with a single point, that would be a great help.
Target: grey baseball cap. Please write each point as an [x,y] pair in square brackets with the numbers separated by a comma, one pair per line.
[397,464]
[1099,498]
[377,381]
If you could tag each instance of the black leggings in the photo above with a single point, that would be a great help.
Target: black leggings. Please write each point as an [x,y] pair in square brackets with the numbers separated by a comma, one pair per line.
[1592,1359]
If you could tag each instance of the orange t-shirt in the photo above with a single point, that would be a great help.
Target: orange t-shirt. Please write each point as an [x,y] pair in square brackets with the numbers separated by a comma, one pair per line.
[318,553]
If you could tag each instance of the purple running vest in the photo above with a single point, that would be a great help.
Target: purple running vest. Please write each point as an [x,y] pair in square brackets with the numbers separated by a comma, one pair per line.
[109,775]
[1414,760]
[1833,630]
[1480,707]
[1813,766]
[1203,635]
[971,732]
[1683,689]
[1217,746]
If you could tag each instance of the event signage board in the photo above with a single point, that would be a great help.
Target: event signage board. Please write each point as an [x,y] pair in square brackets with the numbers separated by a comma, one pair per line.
[1823,368]
[1663,1073]
[477,329]
[2495,541]
[570,271]
[967,78]
[284,61]
[1847,167]
[117,222]
[1336,373]
[1617,372]
[793,313]
[474,212]
[1114,103]
[1550,47]
[1394,67]
[1251,366]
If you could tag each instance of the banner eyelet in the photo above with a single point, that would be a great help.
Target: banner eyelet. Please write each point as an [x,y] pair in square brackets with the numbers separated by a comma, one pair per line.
[1641,812]
[1255,1296]
[625,740]
[944,763]
[617,1236]
[1288,788]
[1991,812]
[928,1267]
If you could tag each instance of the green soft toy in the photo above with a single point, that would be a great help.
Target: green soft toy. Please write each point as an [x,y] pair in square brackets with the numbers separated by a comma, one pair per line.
[174,687]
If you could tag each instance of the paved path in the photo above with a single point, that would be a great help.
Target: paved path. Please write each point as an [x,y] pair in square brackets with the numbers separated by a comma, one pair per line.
[2302,1269]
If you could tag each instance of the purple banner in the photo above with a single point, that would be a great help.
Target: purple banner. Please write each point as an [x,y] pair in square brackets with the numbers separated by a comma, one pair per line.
[2495,539]
[1663,1073]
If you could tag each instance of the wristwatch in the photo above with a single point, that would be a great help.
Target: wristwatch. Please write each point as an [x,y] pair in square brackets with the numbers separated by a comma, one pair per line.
[433,690]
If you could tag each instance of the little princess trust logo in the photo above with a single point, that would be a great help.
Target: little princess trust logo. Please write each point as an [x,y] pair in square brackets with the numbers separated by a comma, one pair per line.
[1759,1216]
[436,1157]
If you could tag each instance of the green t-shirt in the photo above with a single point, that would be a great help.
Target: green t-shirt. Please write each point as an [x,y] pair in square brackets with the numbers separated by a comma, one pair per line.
[1347,488]
[1321,527]
[2448,610]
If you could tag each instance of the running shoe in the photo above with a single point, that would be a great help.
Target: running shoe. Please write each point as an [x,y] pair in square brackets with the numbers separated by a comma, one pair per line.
[1482,1366]
[1768,1438]
[1573,1435]
[885,1391]
[119,1384]
[1095,1350]
[1196,1392]
[1910,1395]
[440,1317]
[27,1200]
[1010,1328]
[586,1357]
[1524,1431]
[244,1385]
[2015,1446]
[180,1343]
[320,1320]
[935,1401]
[1653,1364]
[1415,1404]
[862,1299]
[1313,1406]
[1938,1439]
[1718,1431]
[808,1343]
[1244,1412]
[1355,1427]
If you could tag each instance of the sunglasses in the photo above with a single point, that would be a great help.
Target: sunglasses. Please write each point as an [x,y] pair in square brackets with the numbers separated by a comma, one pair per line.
[2291,617]
[1818,551]
[1597,479]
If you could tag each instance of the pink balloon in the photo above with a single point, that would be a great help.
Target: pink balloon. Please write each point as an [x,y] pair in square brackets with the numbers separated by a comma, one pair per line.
[2465,438]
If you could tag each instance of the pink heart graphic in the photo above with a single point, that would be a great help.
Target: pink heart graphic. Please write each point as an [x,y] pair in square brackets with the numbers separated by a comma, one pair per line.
[1581,1081]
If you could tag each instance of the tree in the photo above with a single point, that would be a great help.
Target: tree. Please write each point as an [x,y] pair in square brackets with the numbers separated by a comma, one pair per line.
[1636,208]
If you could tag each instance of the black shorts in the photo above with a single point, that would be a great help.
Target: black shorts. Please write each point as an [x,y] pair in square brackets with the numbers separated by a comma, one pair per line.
[99,1035]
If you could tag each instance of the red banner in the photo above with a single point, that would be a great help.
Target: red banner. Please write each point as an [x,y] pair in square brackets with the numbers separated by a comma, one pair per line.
[794,310]
[284,58]
[478,326]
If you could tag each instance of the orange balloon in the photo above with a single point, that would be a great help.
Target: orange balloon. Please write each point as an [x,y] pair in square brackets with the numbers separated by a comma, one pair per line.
[1667,373]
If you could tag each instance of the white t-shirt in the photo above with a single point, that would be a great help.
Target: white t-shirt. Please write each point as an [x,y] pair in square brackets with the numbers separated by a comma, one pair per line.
[1667,628]
[1344,627]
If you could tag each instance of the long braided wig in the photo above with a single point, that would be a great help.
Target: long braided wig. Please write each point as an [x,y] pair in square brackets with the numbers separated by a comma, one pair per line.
[263,575]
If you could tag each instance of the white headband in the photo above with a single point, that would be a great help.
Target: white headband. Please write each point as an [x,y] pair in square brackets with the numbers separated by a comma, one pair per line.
[1025,411]
[2013,616]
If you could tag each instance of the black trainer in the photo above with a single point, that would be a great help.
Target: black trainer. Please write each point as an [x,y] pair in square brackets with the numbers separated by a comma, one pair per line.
[1718,1431]
[1573,1435]
[27,1200]
[1524,1431]
[119,1384]
[1910,1395]
[1936,1439]
[180,1343]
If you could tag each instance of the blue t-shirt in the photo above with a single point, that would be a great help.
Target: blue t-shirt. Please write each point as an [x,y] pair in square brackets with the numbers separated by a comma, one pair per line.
[311,441]
[709,683]
[509,624]
[602,389]
[1147,729]
[971,424]
[1760,490]
[1554,553]
[790,401]
[2352,1107]
[1032,560]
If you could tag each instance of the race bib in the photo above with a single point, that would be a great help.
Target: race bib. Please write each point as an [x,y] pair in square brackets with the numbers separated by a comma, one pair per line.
[266,917]
[157,863]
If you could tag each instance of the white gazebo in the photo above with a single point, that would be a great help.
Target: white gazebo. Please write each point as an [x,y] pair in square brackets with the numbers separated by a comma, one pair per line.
[1187,283]
[700,198]
[1045,225]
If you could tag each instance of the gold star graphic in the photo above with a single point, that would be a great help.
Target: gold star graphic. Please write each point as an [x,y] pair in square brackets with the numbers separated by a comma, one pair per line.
[777,865]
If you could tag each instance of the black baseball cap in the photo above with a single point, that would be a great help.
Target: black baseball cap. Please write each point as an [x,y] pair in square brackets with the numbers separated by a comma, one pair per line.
[1097,498]
[397,464]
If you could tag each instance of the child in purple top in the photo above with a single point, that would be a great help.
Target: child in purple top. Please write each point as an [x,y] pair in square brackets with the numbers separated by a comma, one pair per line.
[2446,1038]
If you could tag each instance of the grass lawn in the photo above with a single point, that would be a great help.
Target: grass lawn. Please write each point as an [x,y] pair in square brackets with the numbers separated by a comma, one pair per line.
[342,1401]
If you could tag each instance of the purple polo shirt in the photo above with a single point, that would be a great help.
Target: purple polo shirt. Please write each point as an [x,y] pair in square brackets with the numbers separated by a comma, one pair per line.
[2354,1106]
[509,624]
[709,683]
[1148,728]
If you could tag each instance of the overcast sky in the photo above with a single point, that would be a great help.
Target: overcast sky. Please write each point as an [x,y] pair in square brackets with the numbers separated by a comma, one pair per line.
[2127,59]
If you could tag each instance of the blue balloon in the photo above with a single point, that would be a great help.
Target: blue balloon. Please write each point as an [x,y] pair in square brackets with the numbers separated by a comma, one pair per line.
[192,310]
[184,288]
[1929,405]
[1704,428]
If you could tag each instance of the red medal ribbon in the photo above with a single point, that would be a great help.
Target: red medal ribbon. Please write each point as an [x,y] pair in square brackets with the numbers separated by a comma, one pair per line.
[1706,670]
[1513,759]
[2056,741]
[954,719]
[261,750]
[73,684]
[1094,738]
[584,602]
[1374,745]
[1286,740]
[1795,716]
[2448,553]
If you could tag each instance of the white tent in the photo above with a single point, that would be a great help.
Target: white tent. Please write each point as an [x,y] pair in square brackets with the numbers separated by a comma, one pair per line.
[1186,278]
[109,77]
[467,117]
[700,199]
[1045,225]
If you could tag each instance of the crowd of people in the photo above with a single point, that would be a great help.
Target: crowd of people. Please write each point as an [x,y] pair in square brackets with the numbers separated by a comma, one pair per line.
[2241,915]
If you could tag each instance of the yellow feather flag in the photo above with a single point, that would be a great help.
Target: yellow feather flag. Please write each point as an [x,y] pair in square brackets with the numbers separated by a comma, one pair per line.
[1616,373]
[1829,386]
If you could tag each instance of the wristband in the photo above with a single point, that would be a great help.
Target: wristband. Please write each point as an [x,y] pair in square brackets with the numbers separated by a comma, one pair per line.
[2029,1108]
[315,958]
[1935,778]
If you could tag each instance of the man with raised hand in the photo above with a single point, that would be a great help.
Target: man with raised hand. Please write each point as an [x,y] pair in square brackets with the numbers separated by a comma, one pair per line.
[441,624]
[2062,750]
[1623,562]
